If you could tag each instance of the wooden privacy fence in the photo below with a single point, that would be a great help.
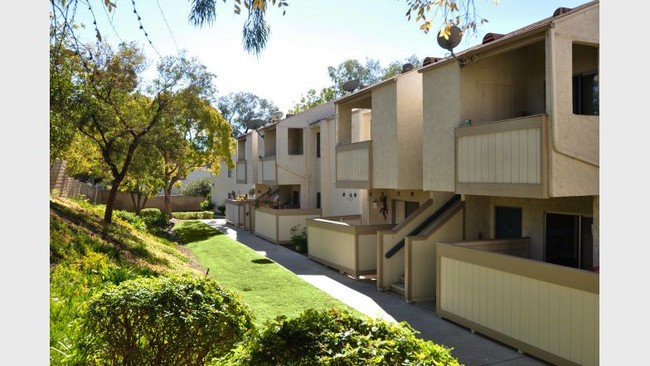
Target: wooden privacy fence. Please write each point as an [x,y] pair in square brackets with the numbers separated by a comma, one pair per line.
[62,185]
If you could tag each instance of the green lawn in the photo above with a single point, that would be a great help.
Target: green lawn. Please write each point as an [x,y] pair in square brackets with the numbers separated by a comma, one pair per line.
[268,288]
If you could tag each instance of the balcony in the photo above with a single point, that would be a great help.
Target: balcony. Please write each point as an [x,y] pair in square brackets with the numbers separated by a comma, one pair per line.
[275,225]
[268,170]
[503,158]
[344,244]
[241,172]
[546,310]
[353,162]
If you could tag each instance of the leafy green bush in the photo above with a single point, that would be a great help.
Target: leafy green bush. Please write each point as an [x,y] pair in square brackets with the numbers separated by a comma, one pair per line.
[193,215]
[207,205]
[162,321]
[154,218]
[130,217]
[199,187]
[299,237]
[336,337]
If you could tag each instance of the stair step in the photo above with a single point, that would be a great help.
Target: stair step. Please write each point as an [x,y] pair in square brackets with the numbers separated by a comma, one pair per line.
[397,287]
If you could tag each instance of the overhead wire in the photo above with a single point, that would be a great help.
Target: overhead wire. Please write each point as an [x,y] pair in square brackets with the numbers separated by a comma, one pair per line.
[167,24]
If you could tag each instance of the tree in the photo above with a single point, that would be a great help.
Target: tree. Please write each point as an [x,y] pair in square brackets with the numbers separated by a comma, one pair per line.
[145,176]
[193,134]
[311,100]
[243,107]
[200,187]
[111,108]
[369,73]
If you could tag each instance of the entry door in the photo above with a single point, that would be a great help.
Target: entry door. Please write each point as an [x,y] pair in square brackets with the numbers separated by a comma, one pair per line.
[508,222]
[569,241]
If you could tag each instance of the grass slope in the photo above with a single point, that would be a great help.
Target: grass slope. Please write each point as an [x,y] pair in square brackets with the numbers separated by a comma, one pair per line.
[86,256]
[268,288]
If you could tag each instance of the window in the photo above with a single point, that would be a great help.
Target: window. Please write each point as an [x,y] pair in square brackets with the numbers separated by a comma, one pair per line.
[229,173]
[586,96]
[318,200]
[318,145]
[295,141]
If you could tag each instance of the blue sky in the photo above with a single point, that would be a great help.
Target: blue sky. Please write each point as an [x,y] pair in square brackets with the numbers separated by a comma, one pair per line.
[310,37]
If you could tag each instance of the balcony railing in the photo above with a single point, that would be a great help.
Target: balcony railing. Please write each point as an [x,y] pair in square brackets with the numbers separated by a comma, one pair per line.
[275,224]
[354,165]
[503,158]
[241,174]
[269,170]
[546,310]
[349,248]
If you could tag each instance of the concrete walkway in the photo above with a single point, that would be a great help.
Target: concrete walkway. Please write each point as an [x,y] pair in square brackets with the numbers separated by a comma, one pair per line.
[471,349]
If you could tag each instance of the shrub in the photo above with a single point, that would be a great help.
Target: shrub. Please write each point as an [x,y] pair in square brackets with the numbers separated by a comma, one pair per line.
[154,218]
[337,337]
[193,215]
[162,321]
[199,187]
[133,219]
[299,237]
[207,205]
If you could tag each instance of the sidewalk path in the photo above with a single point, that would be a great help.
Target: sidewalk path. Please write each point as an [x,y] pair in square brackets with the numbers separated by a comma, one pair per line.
[470,349]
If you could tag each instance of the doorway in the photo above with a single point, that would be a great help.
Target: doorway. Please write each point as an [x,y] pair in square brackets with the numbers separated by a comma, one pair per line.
[508,222]
[569,241]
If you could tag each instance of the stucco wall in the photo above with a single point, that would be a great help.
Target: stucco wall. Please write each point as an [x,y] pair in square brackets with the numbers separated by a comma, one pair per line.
[384,137]
[409,131]
[574,161]
[441,114]
[222,185]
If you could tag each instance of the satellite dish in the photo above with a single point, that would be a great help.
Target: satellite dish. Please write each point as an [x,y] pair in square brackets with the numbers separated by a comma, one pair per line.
[407,67]
[277,115]
[254,124]
[350,85]
[452,41]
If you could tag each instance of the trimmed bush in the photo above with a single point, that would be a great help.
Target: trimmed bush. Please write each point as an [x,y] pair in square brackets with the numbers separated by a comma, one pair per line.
[193,215]
[154,218]
[337,337]
[162,321]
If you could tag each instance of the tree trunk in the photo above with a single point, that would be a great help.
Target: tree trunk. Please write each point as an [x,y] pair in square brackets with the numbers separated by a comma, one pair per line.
[168,194]
[108,214]
[168,203]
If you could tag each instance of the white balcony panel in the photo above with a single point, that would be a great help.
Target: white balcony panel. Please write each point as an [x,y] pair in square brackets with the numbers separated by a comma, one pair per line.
[241,171]
[510,157]
[353,163]
[268,169]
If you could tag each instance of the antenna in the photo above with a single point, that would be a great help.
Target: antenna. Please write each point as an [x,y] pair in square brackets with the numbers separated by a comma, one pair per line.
[254,124]
[277,115]
[407,67]
[350,85]
[451,41]
[448,43]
